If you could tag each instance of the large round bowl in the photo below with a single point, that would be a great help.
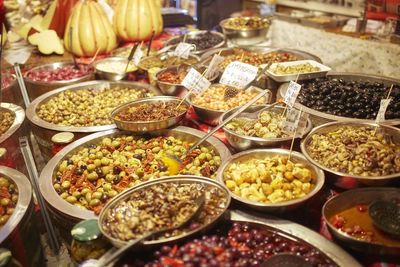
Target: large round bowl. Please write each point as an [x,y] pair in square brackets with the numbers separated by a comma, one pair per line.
[343,179]
[318,176]
[241,142]
[184,179]
[109,75]
[43,130]
[148,126]
[172,89]
[195,35]
[10,139]
[67,214]
[212,116]
[318,117]
[38,88]
[162,56]
[350,199]
[22,224]
[245,36]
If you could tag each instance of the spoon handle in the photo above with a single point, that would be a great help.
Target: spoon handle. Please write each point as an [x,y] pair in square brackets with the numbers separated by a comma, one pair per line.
[222,124]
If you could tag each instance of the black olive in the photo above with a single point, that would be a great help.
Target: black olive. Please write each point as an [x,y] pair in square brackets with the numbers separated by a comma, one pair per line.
[78,171]
[116,179]
[357,114]
[83,167]
[117,169]
[92,146]
[99,172]
[341,107]
[138,156]
[70,162]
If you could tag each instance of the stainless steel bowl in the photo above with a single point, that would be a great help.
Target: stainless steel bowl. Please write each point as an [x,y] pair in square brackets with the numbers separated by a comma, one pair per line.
[68,214]
[178,89]
[43,130]
[22,224]
[296,157]
[164,55]
[350,199]
[148,126]
[10,139]
[195,35]
[241,142]
[110,75]
[245,36]
[184,179]
[318,117]
[211,116]
[38,88]
[340,178]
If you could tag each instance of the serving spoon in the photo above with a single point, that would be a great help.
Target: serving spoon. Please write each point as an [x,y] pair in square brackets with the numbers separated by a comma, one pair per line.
[114,253]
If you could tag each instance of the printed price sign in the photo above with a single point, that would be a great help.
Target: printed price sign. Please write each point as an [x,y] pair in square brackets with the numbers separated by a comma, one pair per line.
[292,92]
[382,110]
[195,82]
[183,50]
[295,119]
[238,74]
[213,67]
[138,56]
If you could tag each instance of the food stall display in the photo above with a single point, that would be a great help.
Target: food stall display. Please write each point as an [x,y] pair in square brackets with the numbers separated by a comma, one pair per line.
[118,112]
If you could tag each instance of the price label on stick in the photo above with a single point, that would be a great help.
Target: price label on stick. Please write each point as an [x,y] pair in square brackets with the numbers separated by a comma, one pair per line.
[195,82]
[213,67]
[292,92]
[238,74]
[183,50]
[295,119]
[137,56]
[382,110]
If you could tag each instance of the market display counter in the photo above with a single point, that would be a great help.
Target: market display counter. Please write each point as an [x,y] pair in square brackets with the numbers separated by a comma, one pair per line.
[342,53]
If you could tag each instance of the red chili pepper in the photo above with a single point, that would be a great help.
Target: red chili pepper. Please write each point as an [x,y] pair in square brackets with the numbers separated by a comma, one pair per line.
[171,262]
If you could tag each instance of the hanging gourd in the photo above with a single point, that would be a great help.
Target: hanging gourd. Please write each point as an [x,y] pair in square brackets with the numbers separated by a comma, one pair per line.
[91,30]
[135,20]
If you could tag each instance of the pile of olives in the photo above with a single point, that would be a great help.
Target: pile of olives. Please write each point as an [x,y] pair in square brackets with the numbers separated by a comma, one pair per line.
[354,99]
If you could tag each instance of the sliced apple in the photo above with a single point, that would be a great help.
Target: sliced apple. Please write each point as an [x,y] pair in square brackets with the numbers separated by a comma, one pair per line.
[47,42]
[34,25]
[48,17]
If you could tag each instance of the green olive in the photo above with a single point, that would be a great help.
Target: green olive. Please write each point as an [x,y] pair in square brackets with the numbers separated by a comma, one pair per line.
[84,191]
[91,167]
[105,161]
[94,202]
[5,201]
[97,162]
[112,193]
[97,195]
[64,195]
[4,219]
[4,182]
[66,184]
[92,176]
[57,186]
[71,199]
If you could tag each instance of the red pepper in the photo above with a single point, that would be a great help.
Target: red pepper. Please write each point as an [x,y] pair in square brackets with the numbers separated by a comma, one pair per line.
[167,261]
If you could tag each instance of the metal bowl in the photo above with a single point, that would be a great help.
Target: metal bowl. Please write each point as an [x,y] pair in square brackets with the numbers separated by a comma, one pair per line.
[340,178]
[212,117]
[10,139]
[164,55]
[43,130]
[184,179]
[109,75]
[178,89]
[195,35]
[66,213]
[38,88]
[148,126]
[318,175]
[350,199]
[318,117]
[241,142]
[22,224]
[245,36]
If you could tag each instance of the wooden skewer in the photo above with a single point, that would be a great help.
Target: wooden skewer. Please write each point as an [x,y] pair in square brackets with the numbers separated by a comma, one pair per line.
[294,135]
[387,97]
[151,42]
[191,90]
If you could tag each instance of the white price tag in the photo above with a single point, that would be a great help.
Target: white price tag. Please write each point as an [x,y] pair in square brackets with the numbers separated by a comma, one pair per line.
[195,82]
[295,119]
[138,56]
[382,110]
[292,92]
[213,67]
[238,74]
[183,50]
